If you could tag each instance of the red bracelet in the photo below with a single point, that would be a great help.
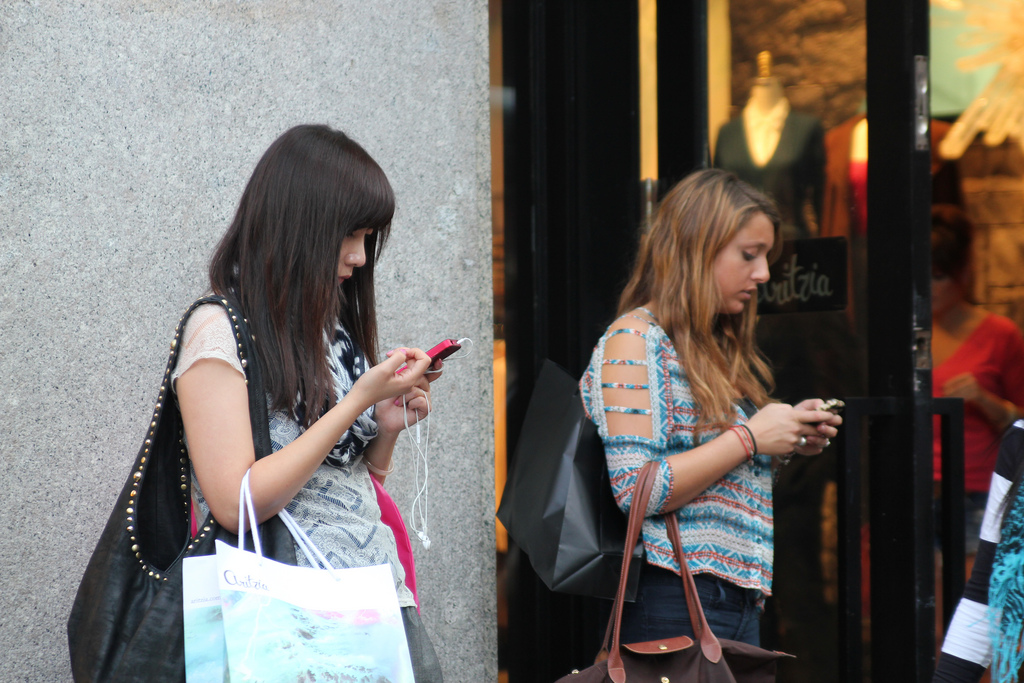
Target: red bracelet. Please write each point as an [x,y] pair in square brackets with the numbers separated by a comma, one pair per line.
[746,439]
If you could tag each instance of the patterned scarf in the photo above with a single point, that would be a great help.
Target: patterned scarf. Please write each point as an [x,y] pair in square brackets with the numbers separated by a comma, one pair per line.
[347,364]
[1006,596]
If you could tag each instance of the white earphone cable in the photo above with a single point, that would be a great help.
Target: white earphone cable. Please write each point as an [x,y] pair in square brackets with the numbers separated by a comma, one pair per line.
[420,504]
[419,523]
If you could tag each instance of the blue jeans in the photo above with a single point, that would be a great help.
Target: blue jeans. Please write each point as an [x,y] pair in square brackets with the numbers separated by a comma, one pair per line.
[660,609]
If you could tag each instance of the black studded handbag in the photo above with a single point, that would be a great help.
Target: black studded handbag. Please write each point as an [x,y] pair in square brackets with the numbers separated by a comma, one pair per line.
[126,621]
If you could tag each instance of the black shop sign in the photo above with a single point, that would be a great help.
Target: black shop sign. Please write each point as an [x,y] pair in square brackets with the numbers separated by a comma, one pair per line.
[809,276]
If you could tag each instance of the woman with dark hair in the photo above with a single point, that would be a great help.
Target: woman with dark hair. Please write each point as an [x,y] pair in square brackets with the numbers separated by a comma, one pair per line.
[977,356]
[298,258]
[677,379]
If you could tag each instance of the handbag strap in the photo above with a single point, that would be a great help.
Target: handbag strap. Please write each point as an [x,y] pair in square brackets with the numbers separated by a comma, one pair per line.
[161,466]
[710,646]
[249,360]
[637,512]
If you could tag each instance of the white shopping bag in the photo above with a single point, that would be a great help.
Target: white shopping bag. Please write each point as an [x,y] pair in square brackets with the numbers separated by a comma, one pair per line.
[287,623]
[205,652]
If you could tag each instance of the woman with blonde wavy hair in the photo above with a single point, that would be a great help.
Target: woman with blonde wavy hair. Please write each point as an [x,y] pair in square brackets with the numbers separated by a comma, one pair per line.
[677,378]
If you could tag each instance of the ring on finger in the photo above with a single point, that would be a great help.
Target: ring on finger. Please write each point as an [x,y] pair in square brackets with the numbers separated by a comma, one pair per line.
[802,441]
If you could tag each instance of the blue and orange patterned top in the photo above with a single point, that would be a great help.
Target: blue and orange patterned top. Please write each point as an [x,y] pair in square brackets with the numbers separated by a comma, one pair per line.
[726,530]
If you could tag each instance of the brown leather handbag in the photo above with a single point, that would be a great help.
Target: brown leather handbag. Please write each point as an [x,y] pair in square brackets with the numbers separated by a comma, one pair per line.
[680,659]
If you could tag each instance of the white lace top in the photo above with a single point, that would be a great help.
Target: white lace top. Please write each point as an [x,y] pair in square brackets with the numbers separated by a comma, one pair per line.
[207,334]
[337,507]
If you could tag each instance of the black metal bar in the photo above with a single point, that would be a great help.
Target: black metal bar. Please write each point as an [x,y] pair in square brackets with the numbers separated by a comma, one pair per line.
[952,504]
[682,89]
[540,64]
[900,447]
[606,156]
[851,481]
[519,50]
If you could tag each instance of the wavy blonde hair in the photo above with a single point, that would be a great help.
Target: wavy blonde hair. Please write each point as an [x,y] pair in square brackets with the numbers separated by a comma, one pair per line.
[674,272]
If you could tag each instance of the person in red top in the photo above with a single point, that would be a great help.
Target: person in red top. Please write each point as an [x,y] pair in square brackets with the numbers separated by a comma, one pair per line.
[977,356]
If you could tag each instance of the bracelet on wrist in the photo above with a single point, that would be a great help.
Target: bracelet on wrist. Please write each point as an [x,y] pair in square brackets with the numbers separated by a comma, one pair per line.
[1011,413]
[746,438]
[753,441]
[378,471]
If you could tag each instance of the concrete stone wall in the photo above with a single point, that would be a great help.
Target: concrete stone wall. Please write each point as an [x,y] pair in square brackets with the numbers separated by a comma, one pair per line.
[129,128]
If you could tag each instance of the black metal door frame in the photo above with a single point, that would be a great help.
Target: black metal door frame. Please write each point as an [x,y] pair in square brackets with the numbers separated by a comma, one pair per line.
[572,206]
[683,144]
[899,330]
[859,414]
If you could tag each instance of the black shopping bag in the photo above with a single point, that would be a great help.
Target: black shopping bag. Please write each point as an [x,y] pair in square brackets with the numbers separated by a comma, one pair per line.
[557,504]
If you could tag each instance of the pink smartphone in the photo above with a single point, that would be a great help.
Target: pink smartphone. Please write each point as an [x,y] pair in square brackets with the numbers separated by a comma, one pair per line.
[443,350]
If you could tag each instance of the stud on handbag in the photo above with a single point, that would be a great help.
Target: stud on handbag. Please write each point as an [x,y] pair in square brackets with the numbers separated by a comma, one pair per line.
[681,659]
[126,621]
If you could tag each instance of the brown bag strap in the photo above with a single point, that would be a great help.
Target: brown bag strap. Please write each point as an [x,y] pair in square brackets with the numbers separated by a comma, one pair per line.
[709,643]
[637,512]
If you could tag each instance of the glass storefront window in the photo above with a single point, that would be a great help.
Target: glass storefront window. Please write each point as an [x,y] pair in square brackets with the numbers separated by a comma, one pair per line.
[787,89]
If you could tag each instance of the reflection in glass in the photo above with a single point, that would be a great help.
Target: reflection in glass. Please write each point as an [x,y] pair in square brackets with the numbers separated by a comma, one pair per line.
[798,82]
[778,150]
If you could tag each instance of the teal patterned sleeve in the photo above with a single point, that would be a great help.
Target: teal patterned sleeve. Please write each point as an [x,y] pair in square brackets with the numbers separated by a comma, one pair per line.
[626,453]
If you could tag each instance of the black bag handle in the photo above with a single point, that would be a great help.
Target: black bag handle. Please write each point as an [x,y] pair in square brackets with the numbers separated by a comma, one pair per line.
[249,359]
[126,621]
[173,453]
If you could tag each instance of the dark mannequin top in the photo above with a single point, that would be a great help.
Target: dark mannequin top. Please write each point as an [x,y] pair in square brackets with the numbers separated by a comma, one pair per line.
[793,176]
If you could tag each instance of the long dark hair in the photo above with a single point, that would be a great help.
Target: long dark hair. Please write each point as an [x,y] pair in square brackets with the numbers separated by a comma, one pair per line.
[313,187]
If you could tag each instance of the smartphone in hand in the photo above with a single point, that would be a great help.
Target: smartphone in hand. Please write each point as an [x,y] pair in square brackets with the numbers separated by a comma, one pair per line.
[443,350]
[832,406]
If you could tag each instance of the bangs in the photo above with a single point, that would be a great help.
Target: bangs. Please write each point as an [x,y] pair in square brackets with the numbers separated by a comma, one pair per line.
[368,202]
[376,208]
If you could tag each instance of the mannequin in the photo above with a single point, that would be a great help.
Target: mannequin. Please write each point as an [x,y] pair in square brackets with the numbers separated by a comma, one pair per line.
[859,177]
[765,113]
[846,146]
[859,142]
[777,150]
